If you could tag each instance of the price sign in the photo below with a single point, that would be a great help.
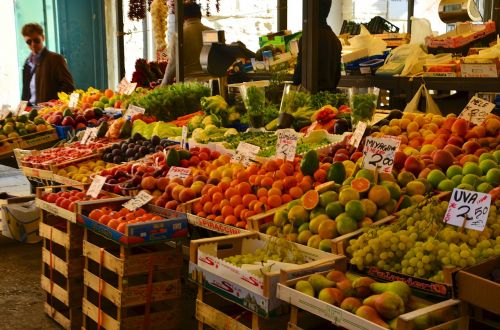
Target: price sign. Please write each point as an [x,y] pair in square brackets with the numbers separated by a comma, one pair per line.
[244,153]
[357,136]
[5,111]
[133,109]
[287,144]
[141,199]
[178,172]
[112,111]
[122,85]
[378,117]
[130,88]
[21,107]
[184,137]
[379,153]
[73,100]
[468,209]
[89,135]
[476,110]
[96,186]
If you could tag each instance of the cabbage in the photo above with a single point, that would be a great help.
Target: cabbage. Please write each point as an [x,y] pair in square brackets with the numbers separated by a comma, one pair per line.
[231,131]
[199,135]
[195,122]
[211,129]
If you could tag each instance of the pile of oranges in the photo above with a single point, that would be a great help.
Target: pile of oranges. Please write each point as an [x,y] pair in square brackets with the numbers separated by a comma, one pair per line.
[253,190]
[118,220]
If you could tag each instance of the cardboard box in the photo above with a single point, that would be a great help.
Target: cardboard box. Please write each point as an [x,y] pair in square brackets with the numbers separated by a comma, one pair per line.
[486,70]
[474,285]
[20,218]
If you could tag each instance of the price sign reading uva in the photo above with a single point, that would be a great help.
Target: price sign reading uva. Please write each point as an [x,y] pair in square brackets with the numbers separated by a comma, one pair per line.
[178,172]
[287,144]
[379,153]
[468,209]
[357,136]
[244,153]
[96,186]
[138,201]
[476,110]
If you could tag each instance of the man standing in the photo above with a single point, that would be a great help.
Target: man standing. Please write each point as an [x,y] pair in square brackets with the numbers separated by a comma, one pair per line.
[45,73]
[193,43]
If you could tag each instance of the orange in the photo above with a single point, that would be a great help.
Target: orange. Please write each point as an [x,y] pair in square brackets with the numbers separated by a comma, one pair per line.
[108,93]
[274,191]
[105,219]
[299,176]
[212,191]
[204,199]
[217,197]
[235,200]
[95,214]
[258,180]
[207,207]
[230,220]
[251,206]
[259,207]
[305,186]
[201,214]
[230,192]
[263,199]
[224,202]
[289,182]
[243,176]
[266,182]
[122,227]
[216,209]
[238,209]
[261,192]
[241,224]
[223,185]
[113,223]
[227,210]
[274,201]
[252,178]
[219,218]
[285,198]
[244,188]
[234,183]
[278,184]
[211,217]
[247,198]
[287,168]
[278,175]
[197,207]
[320,175]
[271,165]
[252,169]
[295,192]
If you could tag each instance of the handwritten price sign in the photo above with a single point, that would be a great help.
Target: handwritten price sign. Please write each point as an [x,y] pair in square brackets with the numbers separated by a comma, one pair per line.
[357,136]
[73,100]
[184,137]
[124,87]
[96,186]
[244,153]
[133,109]
[89,135]
[476,110]
[379,153]
[287,144]
[468,209]
[138,201]
[178,172]
[21,107]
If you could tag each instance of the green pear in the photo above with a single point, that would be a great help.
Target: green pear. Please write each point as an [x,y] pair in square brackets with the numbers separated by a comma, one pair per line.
[400,288]
[305,287]
[319,282]
[388,304]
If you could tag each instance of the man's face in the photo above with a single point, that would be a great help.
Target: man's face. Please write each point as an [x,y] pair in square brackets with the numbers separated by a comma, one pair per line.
[34,42]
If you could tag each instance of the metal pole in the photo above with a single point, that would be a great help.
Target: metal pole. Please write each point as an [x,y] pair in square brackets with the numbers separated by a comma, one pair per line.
[310,45]
[282,14]
[411,8]
[179,40]
[119,39]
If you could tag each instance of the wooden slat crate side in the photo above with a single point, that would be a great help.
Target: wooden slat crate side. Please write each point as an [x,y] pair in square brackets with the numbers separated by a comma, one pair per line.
[164,320]
[134,264]
[216,319]
[57,291]
[58,317]
[57,263]
[92,311]
[54,234]
[134,295]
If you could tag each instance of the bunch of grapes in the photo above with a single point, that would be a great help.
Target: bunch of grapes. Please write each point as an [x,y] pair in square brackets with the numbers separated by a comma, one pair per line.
[277,249]
[420,244]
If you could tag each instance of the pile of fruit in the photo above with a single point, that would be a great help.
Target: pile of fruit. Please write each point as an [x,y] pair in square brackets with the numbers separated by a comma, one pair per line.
[67,199]
[16,126]
[421,244]
[118,220]
[380,303]
[83,171]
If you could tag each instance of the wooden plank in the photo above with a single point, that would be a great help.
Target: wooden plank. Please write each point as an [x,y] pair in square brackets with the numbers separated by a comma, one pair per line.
[57,263]
[92,311]
[164,320]
[56,210]
[133,295]
[58,292]
[109,261]
[55,235]
[216,319]
[56,316]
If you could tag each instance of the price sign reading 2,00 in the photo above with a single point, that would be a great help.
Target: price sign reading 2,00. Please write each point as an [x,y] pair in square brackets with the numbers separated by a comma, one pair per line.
[378,159]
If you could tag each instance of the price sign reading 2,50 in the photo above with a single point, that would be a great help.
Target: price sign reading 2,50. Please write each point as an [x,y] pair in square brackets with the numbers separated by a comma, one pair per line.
[468,209]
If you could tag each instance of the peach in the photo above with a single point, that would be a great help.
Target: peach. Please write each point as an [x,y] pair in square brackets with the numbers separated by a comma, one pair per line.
[470,147]
[439,143]
[492,125]
[480,151]
[399,160]
[186,195]
[469,158]
[148,183]
[171,205]
[413,165]
[443,159]
[456,140]
[448,123]
[176,192]
[362,286]
[459,127]
[424,172]
[453,149]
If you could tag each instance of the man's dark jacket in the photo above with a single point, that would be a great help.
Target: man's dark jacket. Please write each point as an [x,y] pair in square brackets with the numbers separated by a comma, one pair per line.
[52,76]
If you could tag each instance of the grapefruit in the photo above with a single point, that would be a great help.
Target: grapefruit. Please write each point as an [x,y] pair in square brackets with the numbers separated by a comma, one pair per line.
[327,197]
[366,174]
[379,195]
[370,207]
[310,200]
[355,210]
[360,184]
[298,215]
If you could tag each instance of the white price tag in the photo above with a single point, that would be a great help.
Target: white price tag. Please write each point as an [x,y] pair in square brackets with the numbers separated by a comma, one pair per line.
[184,137]
[178,172]
[468,209]
[21,107]
[96,186]
[357,136]
[89,135]
[133,109]
[5,111]
[379,153]
[130,88]
[73,100]
[141,199]
[112,111]
[287,144]
[244,153]
[476,110]
[122,85]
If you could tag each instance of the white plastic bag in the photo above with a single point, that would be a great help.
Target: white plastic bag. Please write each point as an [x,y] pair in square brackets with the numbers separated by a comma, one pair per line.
[430,104]
[420,29]
[375,46]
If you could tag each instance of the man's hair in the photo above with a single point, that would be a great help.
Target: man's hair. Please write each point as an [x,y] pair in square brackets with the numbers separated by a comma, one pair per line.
[192,10]
[30,28]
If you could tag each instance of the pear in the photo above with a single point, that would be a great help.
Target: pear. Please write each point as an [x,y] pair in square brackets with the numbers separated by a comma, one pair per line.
[332,296]
[400,288]
[319,282]
[305,287]
[388,304]
[370,314]
[362,286]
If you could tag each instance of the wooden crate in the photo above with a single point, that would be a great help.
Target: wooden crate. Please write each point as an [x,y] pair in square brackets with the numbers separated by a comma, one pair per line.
[128,288]
[455,311]
[62,270]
